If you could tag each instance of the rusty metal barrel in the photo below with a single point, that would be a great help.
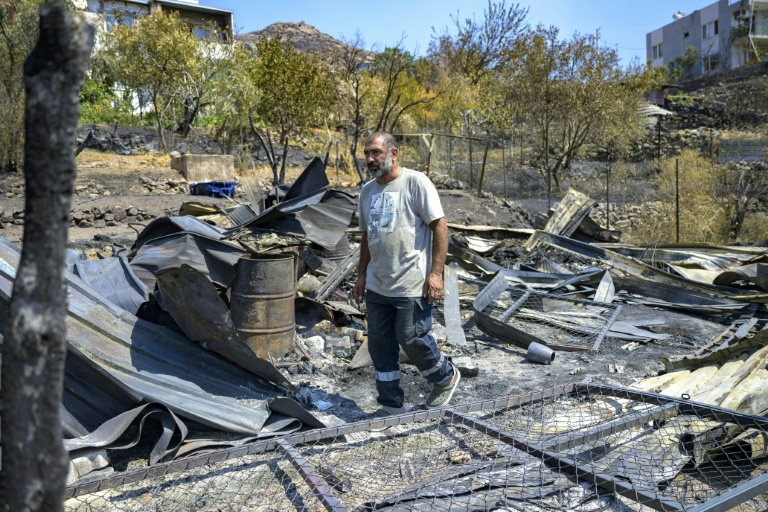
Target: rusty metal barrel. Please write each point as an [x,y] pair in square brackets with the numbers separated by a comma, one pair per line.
[262,303]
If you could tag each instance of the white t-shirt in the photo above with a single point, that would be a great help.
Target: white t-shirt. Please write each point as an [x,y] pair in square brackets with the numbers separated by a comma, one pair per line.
[396,217]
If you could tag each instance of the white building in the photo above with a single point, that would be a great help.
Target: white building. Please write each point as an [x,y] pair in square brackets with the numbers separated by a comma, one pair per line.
[727,34]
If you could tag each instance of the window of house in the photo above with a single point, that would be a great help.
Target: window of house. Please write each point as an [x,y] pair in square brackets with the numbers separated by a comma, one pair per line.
[655,51]
[710,63]
[201,33]
[112,21]
[685,35]
[709,30]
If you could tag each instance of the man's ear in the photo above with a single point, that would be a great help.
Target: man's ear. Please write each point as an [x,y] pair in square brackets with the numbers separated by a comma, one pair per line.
[395,152]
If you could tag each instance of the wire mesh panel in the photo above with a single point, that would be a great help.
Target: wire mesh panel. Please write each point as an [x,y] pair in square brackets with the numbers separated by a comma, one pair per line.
[524,316]
[579,447]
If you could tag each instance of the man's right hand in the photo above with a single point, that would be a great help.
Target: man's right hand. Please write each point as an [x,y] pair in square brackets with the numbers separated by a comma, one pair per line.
[359,290]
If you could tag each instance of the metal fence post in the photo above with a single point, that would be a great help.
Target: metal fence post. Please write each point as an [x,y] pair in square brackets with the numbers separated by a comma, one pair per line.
[471,169]
[430,149]
[608,197]
[677,200]
[482,169]
[503,167]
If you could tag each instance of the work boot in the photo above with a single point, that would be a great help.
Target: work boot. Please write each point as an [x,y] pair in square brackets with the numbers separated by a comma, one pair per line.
[441,395]
[386,410]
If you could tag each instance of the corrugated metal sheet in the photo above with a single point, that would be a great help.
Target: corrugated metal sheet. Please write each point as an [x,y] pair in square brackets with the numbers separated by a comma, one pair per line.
[309,208]
[653,110]
[160,365]
[115,280]
[163,226]
[216,259]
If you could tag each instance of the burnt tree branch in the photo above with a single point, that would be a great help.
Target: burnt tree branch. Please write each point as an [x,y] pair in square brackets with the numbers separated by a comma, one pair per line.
[34,463]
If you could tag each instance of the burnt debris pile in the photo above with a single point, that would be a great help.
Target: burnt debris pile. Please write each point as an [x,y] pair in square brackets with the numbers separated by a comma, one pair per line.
[191,353]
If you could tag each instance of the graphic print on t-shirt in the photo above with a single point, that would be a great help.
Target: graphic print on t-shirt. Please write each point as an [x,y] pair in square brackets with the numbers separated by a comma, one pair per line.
[382,215]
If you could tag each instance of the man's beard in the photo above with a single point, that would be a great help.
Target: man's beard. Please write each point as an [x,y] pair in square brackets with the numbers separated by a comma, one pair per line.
[384,168]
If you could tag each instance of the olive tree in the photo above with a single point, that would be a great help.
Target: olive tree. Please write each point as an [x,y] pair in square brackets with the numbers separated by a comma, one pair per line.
[350,62]
[297,86]
[297,90]
[396,88]
[156,59]
[474,48]
[19,20]
[571,93]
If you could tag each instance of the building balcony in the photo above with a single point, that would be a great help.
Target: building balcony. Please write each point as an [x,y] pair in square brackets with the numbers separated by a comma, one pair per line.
[760,30]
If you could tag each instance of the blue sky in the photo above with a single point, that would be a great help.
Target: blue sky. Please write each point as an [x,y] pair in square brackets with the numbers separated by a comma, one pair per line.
[622,23]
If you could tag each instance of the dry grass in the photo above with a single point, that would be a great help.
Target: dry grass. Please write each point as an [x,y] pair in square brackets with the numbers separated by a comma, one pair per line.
[96,159]
[755,229]
[704,215]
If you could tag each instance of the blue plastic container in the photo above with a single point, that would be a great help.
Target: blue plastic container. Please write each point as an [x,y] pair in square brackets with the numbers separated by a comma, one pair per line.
[213,188]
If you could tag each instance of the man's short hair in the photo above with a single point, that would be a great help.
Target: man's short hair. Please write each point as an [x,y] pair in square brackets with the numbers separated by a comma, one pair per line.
[389,141]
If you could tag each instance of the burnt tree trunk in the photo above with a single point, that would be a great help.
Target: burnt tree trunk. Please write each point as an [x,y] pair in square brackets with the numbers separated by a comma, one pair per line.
[34,464]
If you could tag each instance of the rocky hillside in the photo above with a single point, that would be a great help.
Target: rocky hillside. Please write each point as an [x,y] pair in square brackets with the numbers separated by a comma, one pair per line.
[306,38]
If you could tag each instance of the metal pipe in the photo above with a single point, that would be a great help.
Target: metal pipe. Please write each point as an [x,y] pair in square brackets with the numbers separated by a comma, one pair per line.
[482,169]
[538,353]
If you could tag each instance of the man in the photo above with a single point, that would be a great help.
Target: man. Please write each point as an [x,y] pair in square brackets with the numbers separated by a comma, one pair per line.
[403,249]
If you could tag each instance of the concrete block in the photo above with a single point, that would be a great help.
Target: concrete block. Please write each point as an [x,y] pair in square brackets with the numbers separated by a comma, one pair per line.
[198,168]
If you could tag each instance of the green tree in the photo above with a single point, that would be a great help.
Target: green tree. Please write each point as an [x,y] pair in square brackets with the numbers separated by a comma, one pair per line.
[573,92]
[196,91]
[477,47]
[297,86]
[19,29]
[396,88]
[350,62]
[681,67]
[233,94]
[156,58]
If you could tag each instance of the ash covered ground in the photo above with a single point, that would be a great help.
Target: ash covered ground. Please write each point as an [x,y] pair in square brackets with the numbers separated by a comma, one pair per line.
[348,394]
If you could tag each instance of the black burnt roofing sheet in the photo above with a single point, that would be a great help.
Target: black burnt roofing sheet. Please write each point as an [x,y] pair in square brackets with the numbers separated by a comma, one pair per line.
[161,366]
[312,178]
[322,217]
[704,256]
[91,395]
[163,226]
[241,215]
[215,259]
[644,271]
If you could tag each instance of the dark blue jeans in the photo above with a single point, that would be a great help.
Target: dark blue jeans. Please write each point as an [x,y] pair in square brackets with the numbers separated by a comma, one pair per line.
[395,322]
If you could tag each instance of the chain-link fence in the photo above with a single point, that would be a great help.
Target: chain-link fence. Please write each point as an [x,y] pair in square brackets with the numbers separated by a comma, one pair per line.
[491,164]
[578,447]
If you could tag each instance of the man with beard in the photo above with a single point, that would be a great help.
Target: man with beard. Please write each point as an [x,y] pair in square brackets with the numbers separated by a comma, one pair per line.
[402,253]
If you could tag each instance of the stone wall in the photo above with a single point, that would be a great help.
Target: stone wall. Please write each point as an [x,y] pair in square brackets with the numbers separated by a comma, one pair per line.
[90,217]
[732,75]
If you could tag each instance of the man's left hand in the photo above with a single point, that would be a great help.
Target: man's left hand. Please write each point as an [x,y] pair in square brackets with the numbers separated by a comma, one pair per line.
[433,287]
